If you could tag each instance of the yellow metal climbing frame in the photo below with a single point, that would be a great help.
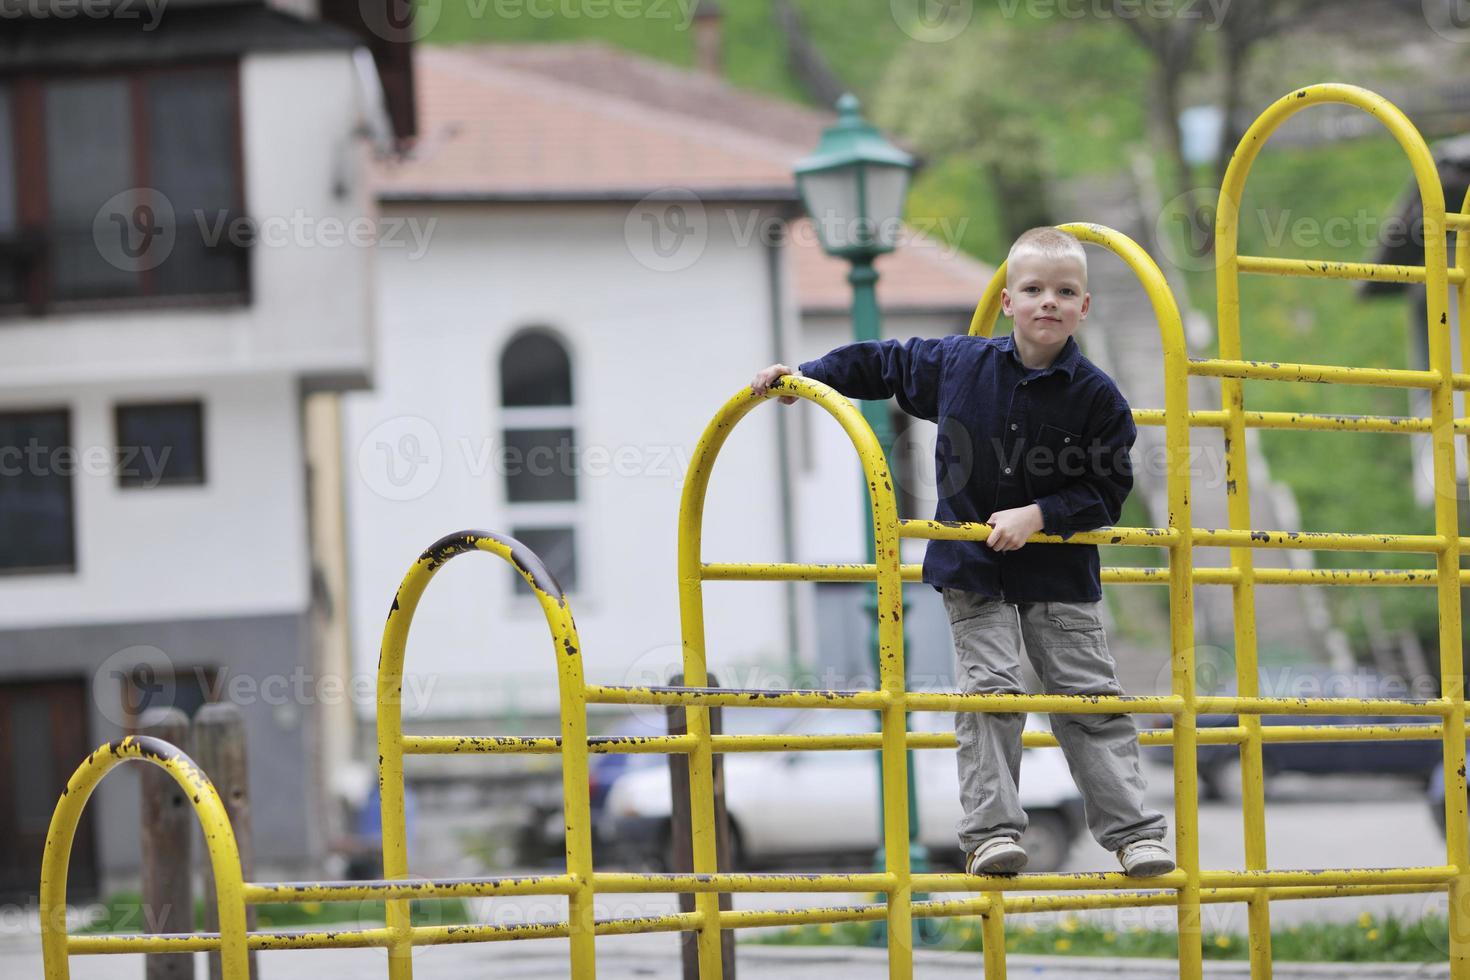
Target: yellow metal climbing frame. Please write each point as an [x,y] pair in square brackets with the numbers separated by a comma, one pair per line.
[991,898]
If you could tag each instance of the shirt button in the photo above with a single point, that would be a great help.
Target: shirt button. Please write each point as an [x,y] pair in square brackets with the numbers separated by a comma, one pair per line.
[1024,383]
[1066,438]
[1008,471]
[1013,427]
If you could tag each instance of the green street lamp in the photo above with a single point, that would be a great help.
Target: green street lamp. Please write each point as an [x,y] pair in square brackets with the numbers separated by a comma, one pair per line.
[853,188]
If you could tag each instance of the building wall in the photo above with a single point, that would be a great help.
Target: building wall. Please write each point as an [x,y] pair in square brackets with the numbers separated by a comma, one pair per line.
[214,576]
[654,353]
[311,309]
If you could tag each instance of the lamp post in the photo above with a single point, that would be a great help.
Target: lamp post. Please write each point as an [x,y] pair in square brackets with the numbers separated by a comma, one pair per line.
[853,188]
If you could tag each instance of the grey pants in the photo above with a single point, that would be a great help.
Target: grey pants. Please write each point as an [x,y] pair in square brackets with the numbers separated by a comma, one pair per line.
[1069,652]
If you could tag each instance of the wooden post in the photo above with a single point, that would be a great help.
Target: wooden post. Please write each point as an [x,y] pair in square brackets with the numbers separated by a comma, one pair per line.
[168,838]
[681,834]
[219,738]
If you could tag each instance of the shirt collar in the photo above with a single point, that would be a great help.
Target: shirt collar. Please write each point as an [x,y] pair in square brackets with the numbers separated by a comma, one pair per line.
[1066,360]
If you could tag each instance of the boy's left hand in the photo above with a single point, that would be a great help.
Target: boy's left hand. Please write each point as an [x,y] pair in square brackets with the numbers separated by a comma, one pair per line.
[1011,528]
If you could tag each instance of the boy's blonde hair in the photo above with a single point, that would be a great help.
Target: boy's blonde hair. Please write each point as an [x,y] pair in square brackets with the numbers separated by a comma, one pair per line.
[1048,243]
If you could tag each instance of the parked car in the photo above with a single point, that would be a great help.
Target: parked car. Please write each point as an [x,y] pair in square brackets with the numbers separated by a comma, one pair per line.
[542,835]
[803,804]
[1219,765]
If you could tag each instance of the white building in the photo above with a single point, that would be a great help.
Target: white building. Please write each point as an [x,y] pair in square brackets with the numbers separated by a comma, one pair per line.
[175,286]
[611,258]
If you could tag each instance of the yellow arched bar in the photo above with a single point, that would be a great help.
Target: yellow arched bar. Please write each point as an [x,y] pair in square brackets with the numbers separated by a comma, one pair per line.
[1181,545]
[567,650]
[214,821]
[1229,265]
[890,666]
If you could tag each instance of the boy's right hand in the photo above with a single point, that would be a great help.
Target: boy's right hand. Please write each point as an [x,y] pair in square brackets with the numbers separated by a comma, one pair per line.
[763,378]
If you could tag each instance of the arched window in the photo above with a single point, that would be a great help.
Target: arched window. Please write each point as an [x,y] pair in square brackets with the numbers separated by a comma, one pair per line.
[539,454]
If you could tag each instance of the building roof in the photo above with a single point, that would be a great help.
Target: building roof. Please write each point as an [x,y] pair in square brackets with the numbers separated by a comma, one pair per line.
[589,122]
[923,276]
[586,122]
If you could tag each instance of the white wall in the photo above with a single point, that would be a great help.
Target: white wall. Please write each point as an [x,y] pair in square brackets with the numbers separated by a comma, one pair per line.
[311,310]
[654,354]
[235,545]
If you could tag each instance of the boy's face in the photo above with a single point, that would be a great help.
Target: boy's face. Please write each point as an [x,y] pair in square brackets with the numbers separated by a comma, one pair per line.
[1046,297]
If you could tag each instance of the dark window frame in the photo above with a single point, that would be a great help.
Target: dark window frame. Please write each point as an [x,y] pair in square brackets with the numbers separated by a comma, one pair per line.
[197,404]
[71,567]
[29,245]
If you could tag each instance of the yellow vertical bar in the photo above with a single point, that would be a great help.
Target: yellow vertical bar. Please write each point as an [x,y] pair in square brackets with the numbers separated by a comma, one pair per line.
[219,840]
[577,808]
[1446,523]
[1237,496]
[1181,558]
[390,767]
[895,742]
[993,937]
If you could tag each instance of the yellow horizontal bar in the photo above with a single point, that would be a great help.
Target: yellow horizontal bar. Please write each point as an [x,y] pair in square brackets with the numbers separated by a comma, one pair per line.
[1315,421]
[971,531]
[734,698]
[1072,703]
[627,882]
[1128,575]
[207,942]
[1456,219]
[1317,373]
[452,935]
[360,891]
[793,572]
[1077,881]
[1316,540]
[1319,706]
[1331,876]
[542,744]
[1262,265]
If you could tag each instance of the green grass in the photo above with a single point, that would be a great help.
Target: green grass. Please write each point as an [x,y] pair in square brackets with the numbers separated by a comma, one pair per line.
[123,913]
[1370,939]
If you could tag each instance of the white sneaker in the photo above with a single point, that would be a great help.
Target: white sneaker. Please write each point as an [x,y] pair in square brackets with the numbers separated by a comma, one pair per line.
[1146,859]
[997,856]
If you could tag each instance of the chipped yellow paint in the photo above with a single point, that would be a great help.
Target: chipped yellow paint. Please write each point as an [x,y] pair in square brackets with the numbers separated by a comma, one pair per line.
[1187,888]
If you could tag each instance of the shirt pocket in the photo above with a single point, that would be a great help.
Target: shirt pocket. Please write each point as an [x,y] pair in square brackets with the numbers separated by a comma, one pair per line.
[1054,461]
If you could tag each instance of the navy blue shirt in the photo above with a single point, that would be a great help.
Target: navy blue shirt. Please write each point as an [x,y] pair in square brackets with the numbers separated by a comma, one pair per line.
[1009,436]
